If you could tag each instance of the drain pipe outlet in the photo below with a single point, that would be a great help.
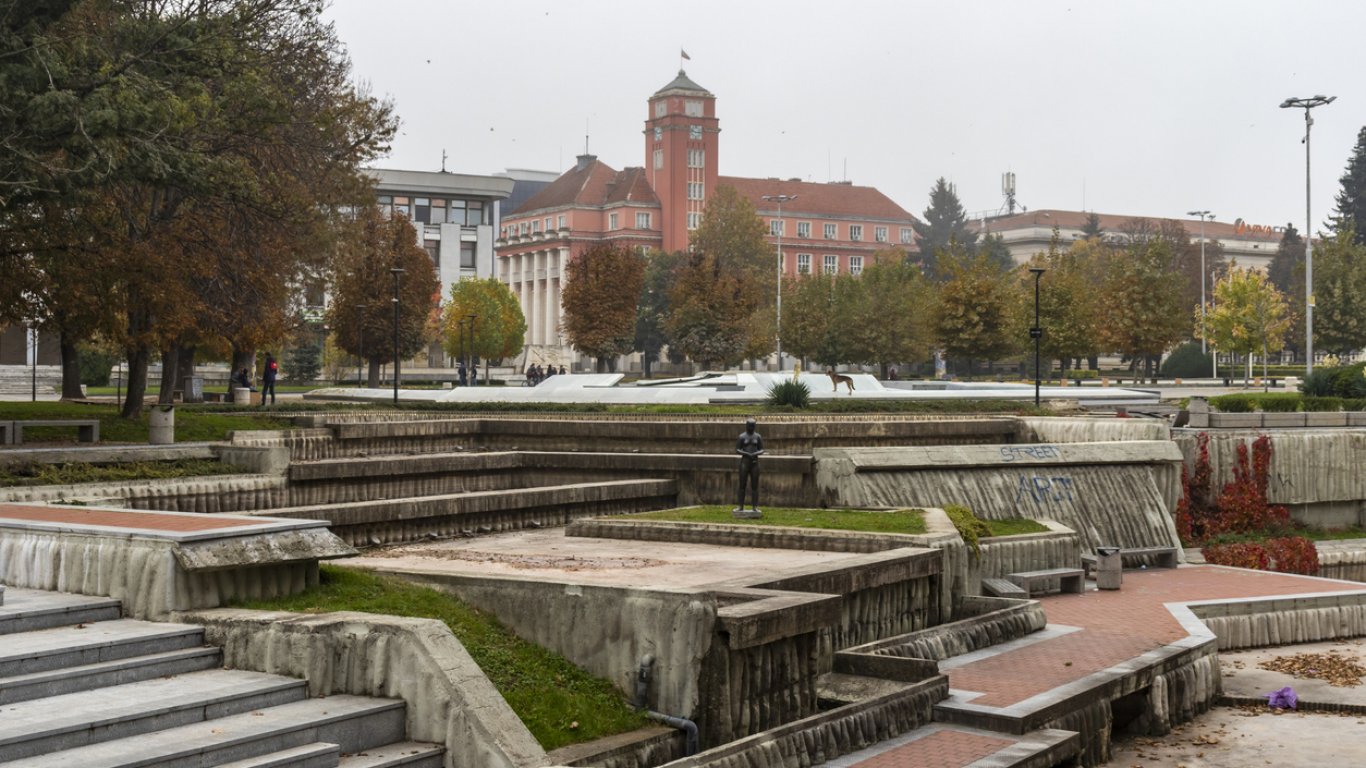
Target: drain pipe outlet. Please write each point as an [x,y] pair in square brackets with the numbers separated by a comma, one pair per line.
[689,728]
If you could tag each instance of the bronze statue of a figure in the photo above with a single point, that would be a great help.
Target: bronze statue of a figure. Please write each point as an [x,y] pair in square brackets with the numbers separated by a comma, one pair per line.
[750,446]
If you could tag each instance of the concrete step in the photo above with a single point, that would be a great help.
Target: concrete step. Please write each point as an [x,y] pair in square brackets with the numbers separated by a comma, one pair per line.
[318,755]
[72,720]
[50,649]
[26,610]
[354,723]
[403,754]
[116,672]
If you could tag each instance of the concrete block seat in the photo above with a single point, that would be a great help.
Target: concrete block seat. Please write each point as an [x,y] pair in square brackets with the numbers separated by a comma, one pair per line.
[87,430]
[1162,557]
[1003,588]
[80,686]
[1068,580]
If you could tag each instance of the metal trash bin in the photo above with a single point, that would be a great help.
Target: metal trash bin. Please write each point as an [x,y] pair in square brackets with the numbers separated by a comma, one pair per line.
[1109,568]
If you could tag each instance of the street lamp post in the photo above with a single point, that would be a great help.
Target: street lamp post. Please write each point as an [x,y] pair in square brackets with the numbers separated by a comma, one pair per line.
[778,329]
[1308,104]
[360,341]
[1203,345]
[473,372]
[396,272]
[1036,333]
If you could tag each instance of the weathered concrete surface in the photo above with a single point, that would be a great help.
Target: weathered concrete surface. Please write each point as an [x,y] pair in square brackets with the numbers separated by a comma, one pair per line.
[997,620]
[216,493]
[1109,493]
[1091,430]
[1316,473]
[450,700]
[1342,559]
[263,460]
[1258,622]
[1227,737]
[106,454]
[1245,682]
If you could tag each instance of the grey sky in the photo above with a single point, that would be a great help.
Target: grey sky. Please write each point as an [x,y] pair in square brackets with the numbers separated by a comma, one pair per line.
[1140,108]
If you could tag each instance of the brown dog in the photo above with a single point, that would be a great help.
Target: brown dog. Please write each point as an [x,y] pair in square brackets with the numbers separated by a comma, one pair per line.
[838,378]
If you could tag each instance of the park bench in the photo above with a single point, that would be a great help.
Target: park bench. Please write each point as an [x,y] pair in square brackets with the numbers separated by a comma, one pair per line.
[87,430]
[1003,588]
[1068,579]
[1164,557]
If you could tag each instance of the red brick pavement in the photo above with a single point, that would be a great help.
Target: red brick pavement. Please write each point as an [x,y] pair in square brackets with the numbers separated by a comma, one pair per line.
[941,749]
[1116,626]
[119,519]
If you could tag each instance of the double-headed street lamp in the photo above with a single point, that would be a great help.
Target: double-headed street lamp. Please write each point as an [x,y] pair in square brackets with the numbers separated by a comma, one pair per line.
[778,330]
[396,272]
[1203,346]
[1036,333]
[1306,105]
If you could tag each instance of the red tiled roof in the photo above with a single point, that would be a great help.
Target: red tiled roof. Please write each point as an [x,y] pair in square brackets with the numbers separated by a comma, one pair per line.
[590,184]
[815,199]
[1049,218]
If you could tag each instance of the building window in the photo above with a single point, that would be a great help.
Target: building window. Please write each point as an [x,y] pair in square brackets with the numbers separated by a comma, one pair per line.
[907,235]
[455,213]
[694,220]
[659,158]
[402,206]
[547,223]
[695,132]
[803,263]
[775,227]
[561,221]
[694,190]
[438,211]
[433,249]
[830,233]
[697,158]
[692,108]
[803,229]
[642,221]
[467,255]
[832,264]
[422,210]
[524,228]
[661,108]
[535,227]
[474,213]
[880,234]
[855,265]
[611,221]
[659,133]
[855,232]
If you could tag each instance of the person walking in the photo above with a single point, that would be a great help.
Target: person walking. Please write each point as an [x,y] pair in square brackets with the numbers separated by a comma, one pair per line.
[268,374]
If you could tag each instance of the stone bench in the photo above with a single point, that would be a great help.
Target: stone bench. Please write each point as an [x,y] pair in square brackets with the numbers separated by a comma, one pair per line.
[87,430]
[1003,588]
[1165,557]
[1069,579]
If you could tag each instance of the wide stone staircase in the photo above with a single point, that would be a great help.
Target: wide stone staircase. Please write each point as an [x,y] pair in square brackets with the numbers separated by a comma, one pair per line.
[81,686]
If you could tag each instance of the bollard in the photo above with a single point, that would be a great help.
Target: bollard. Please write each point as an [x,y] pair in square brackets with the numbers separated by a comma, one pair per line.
[241,396]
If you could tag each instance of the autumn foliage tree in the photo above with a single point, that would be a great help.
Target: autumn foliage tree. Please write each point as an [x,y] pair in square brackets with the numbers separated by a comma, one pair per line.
[1143,311]
[973,308]
[602,289]
[1248,315]
[498,327]
[362,309]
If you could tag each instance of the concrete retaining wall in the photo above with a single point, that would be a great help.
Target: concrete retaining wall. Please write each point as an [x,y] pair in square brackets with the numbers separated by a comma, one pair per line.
[1342,559]
[1028,552]
[450,700]
[1316,473]
[215,493]
[145,574]
[1000,620]
[1256,623]
[1091,430]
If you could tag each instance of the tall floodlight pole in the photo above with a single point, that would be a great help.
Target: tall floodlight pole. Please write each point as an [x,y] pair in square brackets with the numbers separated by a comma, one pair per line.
[1306,105]
[1036,332]
[1204,348]
[778,332]
[396,272]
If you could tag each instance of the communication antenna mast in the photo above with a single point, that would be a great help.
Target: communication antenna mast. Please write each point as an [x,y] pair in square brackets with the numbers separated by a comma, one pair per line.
[1008,191]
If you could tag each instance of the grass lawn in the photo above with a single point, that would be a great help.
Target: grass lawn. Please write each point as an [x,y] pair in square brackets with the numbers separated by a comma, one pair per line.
[192,423]
[1015,527]
[560,703]
[898,521]
[63,474]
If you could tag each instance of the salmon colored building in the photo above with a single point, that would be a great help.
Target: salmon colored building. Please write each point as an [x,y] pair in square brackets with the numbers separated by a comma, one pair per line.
[834,228]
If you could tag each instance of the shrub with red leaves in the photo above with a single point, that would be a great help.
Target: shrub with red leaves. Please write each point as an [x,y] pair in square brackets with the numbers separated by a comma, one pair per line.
[1243,554]
[1241,506]
[1293,554]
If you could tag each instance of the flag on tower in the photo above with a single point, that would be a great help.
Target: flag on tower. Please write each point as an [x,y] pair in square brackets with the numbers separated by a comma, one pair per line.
[684,54]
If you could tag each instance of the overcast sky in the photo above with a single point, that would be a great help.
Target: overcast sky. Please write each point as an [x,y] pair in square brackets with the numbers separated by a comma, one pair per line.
[1138,108]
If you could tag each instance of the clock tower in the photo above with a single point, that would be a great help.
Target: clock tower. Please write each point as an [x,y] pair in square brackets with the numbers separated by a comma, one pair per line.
[681,134]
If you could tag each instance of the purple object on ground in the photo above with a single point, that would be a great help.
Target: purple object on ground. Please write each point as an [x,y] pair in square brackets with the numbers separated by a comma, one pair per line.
[1285,698]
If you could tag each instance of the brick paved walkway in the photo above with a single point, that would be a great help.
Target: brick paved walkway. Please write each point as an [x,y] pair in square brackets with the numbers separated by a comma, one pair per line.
[1116,626]
[157,521]
[941,749]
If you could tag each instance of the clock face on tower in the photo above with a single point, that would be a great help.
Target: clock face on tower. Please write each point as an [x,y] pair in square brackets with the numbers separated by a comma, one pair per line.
[695,132]
[659,133]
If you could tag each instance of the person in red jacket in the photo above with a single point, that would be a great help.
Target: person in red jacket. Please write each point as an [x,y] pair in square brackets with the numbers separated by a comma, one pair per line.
[272,369]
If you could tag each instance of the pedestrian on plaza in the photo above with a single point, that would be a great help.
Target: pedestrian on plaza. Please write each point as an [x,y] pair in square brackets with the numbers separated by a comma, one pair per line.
[562,371]
[464,375]
[268,375]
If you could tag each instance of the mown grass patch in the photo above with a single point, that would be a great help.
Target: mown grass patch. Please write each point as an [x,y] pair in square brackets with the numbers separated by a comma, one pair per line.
[192,423]
[872,521]
[64,474]
[559,703]
[1015,527]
